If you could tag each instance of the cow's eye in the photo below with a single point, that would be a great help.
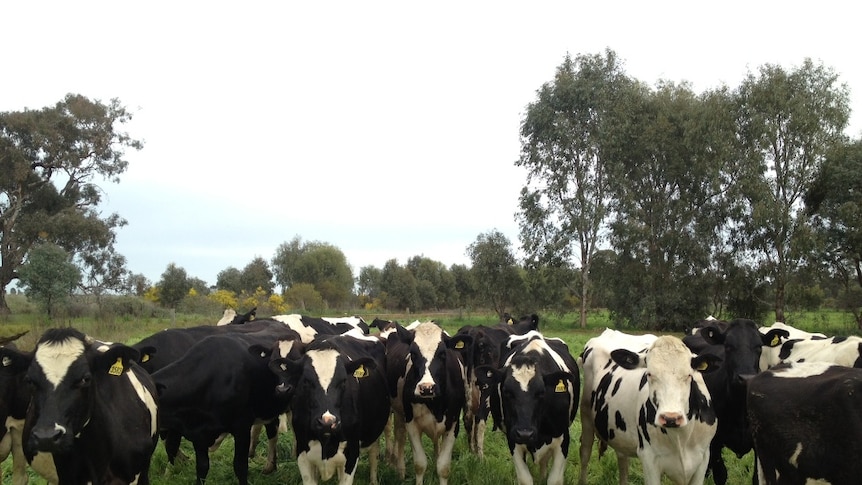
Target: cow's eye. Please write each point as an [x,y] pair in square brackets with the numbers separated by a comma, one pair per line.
[83,382]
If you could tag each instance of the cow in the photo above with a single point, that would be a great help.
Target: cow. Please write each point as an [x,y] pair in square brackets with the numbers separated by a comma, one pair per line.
[770,355]
[484,350]
[805,419]
[535,391]
[846,351]
[651,404]
[426,377]
[309,327]
[15,396]
[92,407]
[230,317]
[738,344]
[344,405]
[222,384]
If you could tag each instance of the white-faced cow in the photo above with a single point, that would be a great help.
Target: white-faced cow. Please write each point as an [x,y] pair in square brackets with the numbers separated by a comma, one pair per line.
[653,405]
[534,396]
[92,407]
[344,405]
[806,419]
[426,378]
[738,346]
[222,384]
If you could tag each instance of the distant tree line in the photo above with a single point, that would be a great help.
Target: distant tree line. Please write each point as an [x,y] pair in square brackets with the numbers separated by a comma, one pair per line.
[655,202]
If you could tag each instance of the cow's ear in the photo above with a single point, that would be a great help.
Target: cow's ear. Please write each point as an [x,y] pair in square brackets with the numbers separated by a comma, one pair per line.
[403,334]
[559,381]
[259,350]
[13,361]
[147,353]
[487,376]
[459,342]
[705,363]
[775,337]
[712,335]
[115,360]
[627,359]
[361,367]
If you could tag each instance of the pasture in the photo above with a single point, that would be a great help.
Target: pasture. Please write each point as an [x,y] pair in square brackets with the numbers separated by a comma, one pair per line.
[495,468]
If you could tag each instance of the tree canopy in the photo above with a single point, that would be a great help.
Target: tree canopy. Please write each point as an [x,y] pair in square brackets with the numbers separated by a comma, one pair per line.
[50,161]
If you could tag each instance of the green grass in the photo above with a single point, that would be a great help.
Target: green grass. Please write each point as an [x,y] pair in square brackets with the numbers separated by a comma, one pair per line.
[496,468]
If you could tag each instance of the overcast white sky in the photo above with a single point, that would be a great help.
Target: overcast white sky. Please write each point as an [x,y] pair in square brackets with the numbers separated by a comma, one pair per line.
[389,129]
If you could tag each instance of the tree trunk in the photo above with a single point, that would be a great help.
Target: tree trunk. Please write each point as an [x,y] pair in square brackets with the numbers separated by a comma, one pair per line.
[779,301]
[4,307]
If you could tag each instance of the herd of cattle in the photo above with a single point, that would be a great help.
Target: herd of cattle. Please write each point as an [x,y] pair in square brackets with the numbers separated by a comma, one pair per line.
[79,410]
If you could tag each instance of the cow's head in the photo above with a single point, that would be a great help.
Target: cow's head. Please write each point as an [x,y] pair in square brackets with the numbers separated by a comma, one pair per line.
[322,379]
[427,359]
[672,376]
[743,344]
[525,394]
[282,351]
[62,374]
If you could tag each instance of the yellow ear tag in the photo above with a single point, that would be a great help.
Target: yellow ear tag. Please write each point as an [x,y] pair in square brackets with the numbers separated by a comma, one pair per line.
[775,341]
[459,344]
[702,366]
[360,372]
[560,387]
[145,358]
[117,368]
[510,321]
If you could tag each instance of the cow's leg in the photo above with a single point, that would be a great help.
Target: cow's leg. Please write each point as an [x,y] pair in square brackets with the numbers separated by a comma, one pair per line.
[716,463]
[202,461]
[255,438]
[480,436]
[306,469]
[348,470]
[242,440]
[558,461]
[588,429]
[373,460]
[444,457]
[420,461]
[390,442]
[399,435]
[172,445]
[623,466]
[271,446]
[522,470]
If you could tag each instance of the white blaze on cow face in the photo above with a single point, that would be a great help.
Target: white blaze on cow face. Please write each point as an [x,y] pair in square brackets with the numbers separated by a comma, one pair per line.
[669,373]
[323,362]
[428,337]
[284,348]
[55,358]
[523,375]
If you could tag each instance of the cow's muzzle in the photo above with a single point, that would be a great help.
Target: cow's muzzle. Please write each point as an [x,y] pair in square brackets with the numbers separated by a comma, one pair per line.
[524,436]
[426,390]
[671,420]
[328,424]
[50,439]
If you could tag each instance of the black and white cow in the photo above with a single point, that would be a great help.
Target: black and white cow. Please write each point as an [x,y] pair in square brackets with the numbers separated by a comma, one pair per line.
[14,399]
[222,384]
[653,405]
[230,317]
[846,351]
[92,407]
[806,419]
[738,345]
[344,405]
[426,377]
[770,355]
[483,351]
[309,327]
[535,393]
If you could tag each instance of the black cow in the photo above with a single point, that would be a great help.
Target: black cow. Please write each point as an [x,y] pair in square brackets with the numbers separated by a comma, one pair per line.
[222,384]
[344,405]
[805,421]
[535,395]
[426,377]
[738,344]
[92,407]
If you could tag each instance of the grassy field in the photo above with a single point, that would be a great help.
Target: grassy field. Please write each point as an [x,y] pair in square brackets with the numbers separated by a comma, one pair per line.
[495,468]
